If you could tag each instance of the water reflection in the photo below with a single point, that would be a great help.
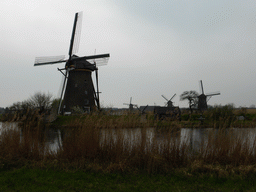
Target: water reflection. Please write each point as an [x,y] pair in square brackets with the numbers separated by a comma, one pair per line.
[8,126]
[130,137]
[53,139]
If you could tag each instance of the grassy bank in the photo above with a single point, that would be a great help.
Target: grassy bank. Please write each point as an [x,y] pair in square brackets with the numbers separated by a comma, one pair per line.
[216,117]
[25,179]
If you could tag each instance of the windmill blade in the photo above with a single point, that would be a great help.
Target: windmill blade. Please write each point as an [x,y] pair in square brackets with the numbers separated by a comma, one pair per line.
[202,86]
[49,60]
[164,97]
[76,33]
[99,59]
[212,94]
[96,98]
[144,109]
[62,91]
[173,97]
[131,100]
[138,108]
[209,96]
[97,84]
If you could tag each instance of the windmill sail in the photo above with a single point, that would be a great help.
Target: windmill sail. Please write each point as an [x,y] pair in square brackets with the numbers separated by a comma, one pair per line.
[164,97]
[212,94]
[99,59]
[76,33]
[202,88]
[173,96]
[49,60]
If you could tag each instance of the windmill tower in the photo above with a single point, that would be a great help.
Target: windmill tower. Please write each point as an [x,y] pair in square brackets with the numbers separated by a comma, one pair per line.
[78,88]
[203,99]
[169,101]
[131,105]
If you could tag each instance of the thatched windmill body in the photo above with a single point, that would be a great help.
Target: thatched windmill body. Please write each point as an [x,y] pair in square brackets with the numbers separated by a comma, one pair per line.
[204,98]
[78,89]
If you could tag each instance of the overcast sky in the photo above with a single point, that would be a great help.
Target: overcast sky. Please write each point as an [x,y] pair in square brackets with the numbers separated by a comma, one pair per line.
[156,47]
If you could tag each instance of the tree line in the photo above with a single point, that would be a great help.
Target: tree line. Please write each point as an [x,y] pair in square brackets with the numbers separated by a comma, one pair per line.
[43,102]
[40,101]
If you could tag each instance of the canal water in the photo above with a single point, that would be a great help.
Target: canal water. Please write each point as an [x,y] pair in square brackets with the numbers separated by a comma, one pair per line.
[133,136]
[53,136]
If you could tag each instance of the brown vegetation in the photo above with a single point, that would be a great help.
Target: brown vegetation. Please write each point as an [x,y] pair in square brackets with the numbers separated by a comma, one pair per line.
[82,148]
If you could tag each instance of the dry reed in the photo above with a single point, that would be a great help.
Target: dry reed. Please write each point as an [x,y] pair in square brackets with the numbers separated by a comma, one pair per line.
[95,143]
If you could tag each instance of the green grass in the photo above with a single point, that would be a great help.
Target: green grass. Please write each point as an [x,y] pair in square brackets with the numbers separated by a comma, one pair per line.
[25,179]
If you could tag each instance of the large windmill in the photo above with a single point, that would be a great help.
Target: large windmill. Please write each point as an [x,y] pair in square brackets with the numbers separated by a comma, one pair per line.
[169,101]
[78,88]
[203,99]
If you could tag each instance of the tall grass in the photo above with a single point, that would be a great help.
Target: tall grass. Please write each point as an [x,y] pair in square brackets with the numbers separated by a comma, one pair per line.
[83,147]
[21,146]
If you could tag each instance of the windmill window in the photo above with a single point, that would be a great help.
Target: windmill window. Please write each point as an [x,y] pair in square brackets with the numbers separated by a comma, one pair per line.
[76,85]
[86,102]
[86,92]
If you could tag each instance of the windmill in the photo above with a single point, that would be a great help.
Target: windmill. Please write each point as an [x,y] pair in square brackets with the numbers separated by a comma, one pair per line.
[131,105]
[203,99]
[78,88]
[169,111]
[142,109]
[169,101]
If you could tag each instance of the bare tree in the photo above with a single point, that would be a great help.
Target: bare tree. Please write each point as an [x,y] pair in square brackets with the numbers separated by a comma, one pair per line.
[40,100]
[18,106]
[192,97]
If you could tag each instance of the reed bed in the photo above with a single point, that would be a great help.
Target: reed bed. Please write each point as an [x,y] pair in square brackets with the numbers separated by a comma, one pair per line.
[84,146]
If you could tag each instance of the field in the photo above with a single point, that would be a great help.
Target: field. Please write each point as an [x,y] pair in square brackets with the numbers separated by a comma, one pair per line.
[26,179]
[222,161]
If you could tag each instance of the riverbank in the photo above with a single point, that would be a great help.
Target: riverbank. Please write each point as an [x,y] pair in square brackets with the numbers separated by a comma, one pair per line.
[221,156]
[216,117]
[86,146]
[28,179]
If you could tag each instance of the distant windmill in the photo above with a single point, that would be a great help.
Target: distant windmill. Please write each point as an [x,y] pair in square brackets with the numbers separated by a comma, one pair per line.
[203,99]
[169,111]
[131,105]
[169,101]
[78,88]
[142,109]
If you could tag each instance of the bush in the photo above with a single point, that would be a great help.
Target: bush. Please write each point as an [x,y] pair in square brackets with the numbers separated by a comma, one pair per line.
[221,115]
[185,117]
